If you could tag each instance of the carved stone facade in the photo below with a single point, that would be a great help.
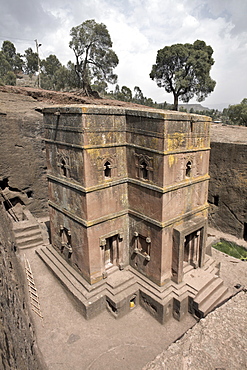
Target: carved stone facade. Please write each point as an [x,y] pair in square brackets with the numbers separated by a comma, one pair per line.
[128,190]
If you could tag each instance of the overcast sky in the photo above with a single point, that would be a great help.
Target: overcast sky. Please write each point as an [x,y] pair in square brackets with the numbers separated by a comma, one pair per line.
[139,28]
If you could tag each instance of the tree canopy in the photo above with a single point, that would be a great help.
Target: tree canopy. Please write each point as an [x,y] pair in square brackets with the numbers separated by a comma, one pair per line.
[31,65]
[237,114]
[183,69]
[95,59]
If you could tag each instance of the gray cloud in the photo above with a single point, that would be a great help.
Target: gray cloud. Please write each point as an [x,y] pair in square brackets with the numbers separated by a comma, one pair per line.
[138,29]
[26,19]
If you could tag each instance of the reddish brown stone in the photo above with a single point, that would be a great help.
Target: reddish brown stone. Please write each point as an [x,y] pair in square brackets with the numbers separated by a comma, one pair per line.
[127,187]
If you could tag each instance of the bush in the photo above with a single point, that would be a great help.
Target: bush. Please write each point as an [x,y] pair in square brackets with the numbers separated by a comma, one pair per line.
[10,78]
[231,249]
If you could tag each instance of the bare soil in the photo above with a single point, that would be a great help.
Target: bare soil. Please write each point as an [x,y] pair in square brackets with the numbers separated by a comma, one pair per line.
[54,97]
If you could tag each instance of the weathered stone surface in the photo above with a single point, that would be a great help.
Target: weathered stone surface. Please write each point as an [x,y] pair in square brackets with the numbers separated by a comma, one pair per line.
[216,342]
[18,348]
[126,214]
[22,151]
[228,182]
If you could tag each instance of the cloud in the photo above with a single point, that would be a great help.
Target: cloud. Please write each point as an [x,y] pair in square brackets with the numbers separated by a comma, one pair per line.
[139,28]
[26,18]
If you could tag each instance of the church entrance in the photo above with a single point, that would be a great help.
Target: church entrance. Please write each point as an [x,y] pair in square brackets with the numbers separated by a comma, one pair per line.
[192,248]
[189,246]
[111,252]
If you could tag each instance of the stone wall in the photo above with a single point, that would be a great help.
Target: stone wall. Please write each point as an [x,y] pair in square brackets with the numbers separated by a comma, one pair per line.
[228,188]
[22,165]
[18,349]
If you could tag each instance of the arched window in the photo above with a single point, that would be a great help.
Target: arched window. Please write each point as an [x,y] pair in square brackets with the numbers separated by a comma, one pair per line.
[144,167]
[63,168]
[63,164]
[188,169]
[65,241]
[144,170]
[107,169]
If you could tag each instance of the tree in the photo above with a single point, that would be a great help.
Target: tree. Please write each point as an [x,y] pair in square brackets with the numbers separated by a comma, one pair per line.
[183,69]
[8,48]
[100,86]
[14,59]
[126,93]
[95,58]
[31,65]
[50,65]
[138,95]
[237,114]
[10,78]
[5,67]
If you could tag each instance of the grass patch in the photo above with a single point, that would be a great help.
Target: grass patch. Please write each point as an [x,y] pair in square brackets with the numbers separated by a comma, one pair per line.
[231,249]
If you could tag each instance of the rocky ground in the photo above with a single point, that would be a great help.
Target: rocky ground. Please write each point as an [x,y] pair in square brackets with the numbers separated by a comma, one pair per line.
[216,342]
[68,341]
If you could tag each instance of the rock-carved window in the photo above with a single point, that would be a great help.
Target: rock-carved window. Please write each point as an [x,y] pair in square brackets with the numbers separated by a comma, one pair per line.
[142,245]
[65,235]
[63,165]
[144,167]
[107,169]
[188,169]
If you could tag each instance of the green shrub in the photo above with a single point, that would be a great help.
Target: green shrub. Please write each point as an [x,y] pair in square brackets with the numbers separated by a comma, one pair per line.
[231,249]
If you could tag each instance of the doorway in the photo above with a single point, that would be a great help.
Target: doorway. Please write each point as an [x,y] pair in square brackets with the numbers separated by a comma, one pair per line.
[111,252]
[189,246]
[192,248]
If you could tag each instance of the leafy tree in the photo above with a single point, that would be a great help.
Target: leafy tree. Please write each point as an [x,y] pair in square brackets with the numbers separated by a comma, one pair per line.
[18,63]
[138,95]
[7,76]
[237,114]
[49,67]
[126,93]
[10,78]
[183,69]
[100,86]
[95,58]
[14,59]
[9,51]
[72,76]
[5,67]
[31,65]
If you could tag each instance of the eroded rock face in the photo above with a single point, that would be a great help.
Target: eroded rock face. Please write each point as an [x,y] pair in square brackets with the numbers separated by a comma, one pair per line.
[17,345]
[22,165]
[228,188]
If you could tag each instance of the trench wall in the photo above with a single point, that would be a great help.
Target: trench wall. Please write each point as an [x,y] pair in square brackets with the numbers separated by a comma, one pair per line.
[18,348]
[228,188]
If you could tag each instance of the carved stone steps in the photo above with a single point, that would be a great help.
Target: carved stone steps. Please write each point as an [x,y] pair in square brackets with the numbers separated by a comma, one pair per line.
[27,235]
[207,292]
[212,301]
[122,290]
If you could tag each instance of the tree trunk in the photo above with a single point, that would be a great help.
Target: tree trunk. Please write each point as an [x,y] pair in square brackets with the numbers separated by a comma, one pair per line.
[175,102]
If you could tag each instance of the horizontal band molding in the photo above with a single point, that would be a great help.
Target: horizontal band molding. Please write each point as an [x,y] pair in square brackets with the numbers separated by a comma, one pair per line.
[124,180]
[113,216]
[84,222]
[100,110]
[110,145]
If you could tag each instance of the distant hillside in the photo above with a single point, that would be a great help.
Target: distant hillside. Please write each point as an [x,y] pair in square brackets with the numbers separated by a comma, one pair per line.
[196,107]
